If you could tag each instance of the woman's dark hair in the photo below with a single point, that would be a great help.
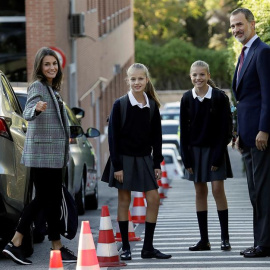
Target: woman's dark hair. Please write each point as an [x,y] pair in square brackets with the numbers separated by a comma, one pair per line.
[201,63]
[149,89]
[37,72]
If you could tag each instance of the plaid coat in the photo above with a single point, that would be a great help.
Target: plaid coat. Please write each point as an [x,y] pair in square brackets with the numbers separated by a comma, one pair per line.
[47,137]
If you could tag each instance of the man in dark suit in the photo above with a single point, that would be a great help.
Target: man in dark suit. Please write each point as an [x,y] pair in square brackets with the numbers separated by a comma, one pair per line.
[251,87]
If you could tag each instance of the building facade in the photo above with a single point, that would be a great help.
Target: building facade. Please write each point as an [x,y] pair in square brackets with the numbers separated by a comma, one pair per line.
[95,39]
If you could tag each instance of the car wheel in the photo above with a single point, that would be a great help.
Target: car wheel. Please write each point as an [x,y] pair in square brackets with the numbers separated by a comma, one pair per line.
[91,202]
[80,198]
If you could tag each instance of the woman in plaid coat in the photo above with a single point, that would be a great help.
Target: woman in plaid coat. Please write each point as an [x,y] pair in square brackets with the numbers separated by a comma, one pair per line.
[46,152]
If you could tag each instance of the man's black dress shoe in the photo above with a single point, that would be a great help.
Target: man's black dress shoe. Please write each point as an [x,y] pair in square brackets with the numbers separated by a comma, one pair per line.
[225,245]
[126,255]
[200,246]
[242,252]
[145,254]
[257,252]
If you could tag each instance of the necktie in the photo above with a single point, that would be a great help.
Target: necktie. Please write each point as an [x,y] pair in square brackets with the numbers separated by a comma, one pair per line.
[242,56]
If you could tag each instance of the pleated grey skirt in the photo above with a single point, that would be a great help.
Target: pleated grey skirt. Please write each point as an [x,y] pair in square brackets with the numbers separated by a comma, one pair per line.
[139,174]
[202,167]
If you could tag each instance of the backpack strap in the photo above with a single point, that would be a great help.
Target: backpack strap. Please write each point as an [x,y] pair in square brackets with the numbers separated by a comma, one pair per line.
[188,100]
[123,108]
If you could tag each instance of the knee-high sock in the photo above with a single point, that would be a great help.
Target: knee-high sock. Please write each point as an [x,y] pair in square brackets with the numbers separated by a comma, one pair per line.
[123,226]
[203,225]
[224,220]
[149,236]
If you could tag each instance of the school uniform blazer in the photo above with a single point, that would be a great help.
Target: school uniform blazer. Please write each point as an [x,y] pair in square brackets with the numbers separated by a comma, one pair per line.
[47,137]
[252,93]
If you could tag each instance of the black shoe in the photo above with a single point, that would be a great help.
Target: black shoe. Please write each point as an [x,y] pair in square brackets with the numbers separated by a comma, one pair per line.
[257,252]
[67,255]
[242,252]
[145,254]
[126,255]
[225,245]
[200,246]
[16,254]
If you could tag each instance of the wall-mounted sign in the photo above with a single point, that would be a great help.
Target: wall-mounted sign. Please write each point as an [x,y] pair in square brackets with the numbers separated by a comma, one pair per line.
[61,56]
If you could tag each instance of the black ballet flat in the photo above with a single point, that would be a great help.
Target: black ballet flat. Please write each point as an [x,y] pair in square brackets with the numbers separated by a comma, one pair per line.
[200,246]
[126,255]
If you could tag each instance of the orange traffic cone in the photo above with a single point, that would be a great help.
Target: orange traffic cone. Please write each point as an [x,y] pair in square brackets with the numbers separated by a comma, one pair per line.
[160,190]
[131,233]
[87,257]
[139,209]
[56,260]
[107,252]
[164,177]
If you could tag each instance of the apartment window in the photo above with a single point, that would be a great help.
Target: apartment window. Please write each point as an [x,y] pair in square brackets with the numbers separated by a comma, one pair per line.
[13,40]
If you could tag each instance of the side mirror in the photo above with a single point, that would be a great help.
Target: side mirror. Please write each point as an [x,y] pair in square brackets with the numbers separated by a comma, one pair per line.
[92,132]
[79,112]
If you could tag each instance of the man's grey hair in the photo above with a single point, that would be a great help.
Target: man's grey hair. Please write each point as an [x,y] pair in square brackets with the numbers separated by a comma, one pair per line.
[248,14]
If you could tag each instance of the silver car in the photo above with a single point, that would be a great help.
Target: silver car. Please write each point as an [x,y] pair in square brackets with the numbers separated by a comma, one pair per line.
[81,175]
[15,185]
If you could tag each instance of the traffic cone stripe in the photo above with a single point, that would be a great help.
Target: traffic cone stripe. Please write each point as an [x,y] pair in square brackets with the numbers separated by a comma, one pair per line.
[110,260]
[107,250]
[105,223]
[86,229]
[56,260]
[86,242]
[106,236]
[105,211]
[138,202]
[88,257]
[94,267]
[140,211]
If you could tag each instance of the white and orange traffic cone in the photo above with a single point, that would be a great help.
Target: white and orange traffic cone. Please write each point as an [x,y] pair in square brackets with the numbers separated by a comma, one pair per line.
[107,252]
[131,233]
[56,260]
[164,177]
[87,256]
[138,210]
[161,190]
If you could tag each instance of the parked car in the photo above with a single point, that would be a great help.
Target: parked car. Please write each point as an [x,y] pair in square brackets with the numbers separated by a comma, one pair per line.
[173,168]
[15,184]
[170,114]
[170,126]
[172,106]
[178,157]
[81,175]
[171,138]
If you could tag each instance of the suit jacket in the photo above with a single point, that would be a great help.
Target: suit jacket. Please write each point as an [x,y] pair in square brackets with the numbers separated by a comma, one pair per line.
[47,137]
[252,92]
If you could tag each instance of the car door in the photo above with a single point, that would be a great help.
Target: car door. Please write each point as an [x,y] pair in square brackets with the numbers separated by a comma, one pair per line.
[17,175]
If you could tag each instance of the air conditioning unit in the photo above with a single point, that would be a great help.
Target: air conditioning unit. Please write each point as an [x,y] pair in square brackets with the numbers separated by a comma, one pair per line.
[77,28]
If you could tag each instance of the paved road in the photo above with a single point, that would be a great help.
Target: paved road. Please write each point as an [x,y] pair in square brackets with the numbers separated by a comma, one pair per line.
[177,229]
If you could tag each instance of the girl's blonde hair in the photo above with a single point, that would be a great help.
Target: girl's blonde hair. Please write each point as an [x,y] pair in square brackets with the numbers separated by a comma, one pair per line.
[203,64]
[149,89]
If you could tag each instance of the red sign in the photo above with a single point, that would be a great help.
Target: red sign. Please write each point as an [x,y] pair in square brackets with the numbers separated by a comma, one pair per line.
[61,56]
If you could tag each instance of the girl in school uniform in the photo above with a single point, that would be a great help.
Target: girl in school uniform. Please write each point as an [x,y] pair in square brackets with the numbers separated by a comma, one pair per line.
[135,152]
[204,149]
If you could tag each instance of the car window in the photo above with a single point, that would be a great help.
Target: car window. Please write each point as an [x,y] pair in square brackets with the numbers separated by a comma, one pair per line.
[22,100]
[170,116]
[167,129]
[8,91]
[168,159]
[73,121]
